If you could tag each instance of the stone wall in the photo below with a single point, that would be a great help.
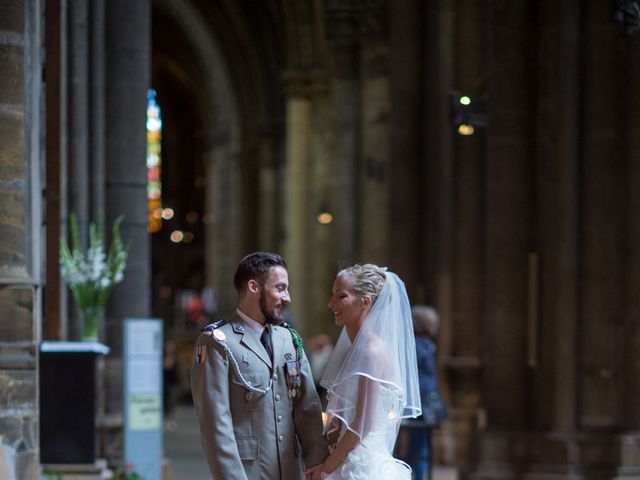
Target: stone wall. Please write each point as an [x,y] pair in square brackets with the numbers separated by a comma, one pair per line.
[19,223]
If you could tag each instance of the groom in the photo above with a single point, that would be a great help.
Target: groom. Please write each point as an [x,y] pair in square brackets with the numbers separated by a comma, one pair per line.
[259,413]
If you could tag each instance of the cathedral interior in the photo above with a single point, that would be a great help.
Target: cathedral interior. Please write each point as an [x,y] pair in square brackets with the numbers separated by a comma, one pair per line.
[487,151]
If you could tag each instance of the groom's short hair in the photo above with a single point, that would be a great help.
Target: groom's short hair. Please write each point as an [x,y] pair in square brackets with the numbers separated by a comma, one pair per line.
[256,266]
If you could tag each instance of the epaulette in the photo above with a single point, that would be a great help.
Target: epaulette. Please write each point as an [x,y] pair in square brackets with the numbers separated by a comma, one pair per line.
[212,326]
[297,339]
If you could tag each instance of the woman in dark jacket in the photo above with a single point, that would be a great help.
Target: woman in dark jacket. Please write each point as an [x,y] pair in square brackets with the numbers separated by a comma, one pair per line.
[425,324]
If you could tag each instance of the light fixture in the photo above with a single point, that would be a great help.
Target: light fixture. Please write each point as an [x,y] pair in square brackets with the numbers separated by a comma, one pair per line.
[167,213]
[324,216]
[467,115]
[466,129]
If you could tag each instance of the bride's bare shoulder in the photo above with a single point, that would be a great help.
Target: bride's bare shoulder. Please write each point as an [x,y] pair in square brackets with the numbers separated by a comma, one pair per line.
[375,349]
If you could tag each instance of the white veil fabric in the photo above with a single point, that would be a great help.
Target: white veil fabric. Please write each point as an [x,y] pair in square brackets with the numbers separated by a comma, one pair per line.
[372,383]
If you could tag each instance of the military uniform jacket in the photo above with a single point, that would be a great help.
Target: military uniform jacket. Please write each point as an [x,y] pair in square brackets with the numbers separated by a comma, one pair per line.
[247,435]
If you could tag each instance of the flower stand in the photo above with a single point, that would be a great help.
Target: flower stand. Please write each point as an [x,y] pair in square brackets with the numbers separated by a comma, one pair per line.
[68,401]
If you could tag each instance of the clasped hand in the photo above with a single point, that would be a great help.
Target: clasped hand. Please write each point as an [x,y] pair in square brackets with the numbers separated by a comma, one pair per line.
[314,473]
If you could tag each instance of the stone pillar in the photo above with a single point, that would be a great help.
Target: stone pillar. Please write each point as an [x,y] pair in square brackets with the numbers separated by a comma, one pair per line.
[554,358]
[322,237]
[461,355]
[407,176]
[78,114]
[269,148]
[96,134]
[297,208]
[128,39]
[375,109]
[345,105]
[20,236]
[224,201]
[508,215]
[83,116]
[629,462]
[553,328]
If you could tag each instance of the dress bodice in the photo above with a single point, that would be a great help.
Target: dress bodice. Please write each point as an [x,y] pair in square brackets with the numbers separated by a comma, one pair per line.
[372,459]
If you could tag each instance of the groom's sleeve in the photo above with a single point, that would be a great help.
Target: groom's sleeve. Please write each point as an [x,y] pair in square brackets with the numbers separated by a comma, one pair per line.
[307,417]
[210,390]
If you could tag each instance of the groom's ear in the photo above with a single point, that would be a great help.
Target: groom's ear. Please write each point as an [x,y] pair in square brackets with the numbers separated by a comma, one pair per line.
[253,286]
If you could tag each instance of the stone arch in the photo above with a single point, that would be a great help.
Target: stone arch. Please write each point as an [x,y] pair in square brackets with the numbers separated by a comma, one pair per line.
[236,66]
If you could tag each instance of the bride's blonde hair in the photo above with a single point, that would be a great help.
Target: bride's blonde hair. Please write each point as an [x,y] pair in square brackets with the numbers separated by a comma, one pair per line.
[368,279]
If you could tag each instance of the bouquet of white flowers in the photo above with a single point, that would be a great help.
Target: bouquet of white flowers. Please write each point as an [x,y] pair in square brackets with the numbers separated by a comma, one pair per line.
[92,274]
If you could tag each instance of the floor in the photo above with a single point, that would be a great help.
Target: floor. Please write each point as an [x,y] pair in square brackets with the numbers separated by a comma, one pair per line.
[185,458]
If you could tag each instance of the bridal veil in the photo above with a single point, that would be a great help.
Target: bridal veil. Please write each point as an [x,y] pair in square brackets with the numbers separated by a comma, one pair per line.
[377,373]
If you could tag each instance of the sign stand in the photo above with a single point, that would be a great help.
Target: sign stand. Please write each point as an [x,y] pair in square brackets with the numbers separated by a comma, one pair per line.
[143,396]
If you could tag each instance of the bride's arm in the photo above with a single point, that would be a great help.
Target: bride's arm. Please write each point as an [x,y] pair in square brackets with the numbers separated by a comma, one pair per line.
[365,407]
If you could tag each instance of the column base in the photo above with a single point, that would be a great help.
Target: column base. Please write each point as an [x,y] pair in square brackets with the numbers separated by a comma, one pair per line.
[556,456]
[629,468]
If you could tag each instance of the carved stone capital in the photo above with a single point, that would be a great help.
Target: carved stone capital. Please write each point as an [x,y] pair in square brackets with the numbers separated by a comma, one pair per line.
[304,83]
[350,22]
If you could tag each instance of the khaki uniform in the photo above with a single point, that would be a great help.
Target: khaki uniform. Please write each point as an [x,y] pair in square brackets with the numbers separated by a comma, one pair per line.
[246,434]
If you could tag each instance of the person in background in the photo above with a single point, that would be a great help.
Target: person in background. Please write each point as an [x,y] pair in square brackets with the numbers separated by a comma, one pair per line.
[319,350]
[426,323]
[170,382]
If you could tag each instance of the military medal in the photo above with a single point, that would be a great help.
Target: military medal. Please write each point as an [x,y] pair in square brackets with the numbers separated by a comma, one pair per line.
[294,379]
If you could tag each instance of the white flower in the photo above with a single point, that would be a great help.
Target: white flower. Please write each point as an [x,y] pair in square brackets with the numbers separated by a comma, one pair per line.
[92,274]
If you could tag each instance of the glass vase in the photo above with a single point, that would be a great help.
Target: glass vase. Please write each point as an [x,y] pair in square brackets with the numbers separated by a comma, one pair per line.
[91,317]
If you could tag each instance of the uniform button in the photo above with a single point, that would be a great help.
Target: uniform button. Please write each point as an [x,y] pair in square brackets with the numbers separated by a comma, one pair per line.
[281,437]
[275,376]
[279,418]
[277,396]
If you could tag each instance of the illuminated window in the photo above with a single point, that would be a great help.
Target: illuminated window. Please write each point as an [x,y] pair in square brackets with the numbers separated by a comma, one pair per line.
[154,162]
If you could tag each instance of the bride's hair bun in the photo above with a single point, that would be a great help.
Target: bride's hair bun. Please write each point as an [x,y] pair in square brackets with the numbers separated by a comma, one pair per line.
[368,279]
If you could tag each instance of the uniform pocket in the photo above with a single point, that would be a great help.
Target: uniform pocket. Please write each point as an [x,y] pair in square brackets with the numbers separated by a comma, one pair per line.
[253,401]
[249,450]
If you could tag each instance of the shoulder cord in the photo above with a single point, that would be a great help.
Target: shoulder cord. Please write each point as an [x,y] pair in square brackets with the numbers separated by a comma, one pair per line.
[237,371]
[297,342]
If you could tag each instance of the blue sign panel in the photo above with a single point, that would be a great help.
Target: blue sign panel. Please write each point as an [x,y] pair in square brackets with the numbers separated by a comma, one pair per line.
[143,396]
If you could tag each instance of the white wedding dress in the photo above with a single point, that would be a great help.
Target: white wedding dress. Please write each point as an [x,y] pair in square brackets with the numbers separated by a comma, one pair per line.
[372,458]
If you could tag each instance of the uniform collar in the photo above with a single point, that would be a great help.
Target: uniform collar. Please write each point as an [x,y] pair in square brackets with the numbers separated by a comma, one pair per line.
[255,326]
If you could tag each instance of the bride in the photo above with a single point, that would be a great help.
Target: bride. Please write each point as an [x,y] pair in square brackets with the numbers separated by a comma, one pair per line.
[371,377]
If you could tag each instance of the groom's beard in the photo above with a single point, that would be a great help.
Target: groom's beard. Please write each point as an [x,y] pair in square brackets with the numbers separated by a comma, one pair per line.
[270,316]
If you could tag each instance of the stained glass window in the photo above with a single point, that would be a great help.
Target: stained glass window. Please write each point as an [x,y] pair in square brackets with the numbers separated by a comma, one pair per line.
[154,163]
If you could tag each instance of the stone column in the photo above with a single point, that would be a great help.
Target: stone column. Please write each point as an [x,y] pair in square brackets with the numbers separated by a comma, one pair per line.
[345,98]
[508,216]
[78,117]
[553,327]
[629,463]
[20,236]
[297,208]
[405,131]
[128,40]
[375,109]
[83,115]
[96,133]
[269,147]
[557,183]
[461,357]
[602,234]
